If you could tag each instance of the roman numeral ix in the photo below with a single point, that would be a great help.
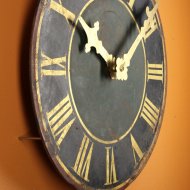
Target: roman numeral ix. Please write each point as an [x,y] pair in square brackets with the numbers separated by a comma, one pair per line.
[48,63]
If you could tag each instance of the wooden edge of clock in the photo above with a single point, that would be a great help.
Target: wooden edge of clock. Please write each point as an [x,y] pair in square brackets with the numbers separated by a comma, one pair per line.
[38,115]
[146,158]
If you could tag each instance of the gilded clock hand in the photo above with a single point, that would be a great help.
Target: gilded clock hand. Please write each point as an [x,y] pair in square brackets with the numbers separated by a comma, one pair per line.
[122,64]
[93,41]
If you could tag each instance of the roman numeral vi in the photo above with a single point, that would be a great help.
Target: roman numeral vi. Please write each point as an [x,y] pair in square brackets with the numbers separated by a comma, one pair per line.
[111,176]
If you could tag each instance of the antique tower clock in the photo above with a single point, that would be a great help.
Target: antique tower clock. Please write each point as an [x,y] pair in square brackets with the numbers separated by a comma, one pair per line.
[98,72]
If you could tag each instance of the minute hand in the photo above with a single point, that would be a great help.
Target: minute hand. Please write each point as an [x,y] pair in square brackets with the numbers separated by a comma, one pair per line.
[147,24]
[93,41]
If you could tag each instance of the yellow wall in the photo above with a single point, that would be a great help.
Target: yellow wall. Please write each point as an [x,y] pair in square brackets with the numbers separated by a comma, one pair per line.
[24,165]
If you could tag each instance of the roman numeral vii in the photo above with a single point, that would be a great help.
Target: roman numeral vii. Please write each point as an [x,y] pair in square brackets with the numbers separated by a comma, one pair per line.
[83,160]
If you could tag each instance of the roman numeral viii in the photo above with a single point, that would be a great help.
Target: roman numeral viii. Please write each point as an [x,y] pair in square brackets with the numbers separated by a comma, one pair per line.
[83,160]
[60,120]
[150,113]
[155,72]
[48,66]
[111,176]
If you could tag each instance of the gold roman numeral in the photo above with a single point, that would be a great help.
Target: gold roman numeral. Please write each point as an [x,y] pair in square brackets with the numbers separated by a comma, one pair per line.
[59,8]
[153,27]
[150,113]
[49,62]
[83,160]
[155,72]
[136,150]
[60,120]
[131,3]
[111,176]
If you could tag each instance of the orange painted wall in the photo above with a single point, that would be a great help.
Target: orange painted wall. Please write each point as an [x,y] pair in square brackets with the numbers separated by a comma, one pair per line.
[24,165]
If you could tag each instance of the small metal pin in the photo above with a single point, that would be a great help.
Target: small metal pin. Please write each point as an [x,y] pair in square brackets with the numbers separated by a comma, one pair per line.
[24,138]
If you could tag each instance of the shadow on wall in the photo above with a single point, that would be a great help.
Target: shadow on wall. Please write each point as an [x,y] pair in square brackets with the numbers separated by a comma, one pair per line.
[26,90]
[18,159]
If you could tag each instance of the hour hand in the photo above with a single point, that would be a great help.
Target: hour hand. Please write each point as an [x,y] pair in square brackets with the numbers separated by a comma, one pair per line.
[93,41]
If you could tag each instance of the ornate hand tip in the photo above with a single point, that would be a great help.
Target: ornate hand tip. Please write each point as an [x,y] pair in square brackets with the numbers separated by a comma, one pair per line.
[87,48]
[93,40]
[153,11]
[147,11]
[97,26]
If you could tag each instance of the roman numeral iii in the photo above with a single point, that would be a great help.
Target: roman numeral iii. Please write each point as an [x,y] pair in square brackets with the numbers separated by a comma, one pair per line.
[48,66]
[150,113]
[111,176]
[155,72]
[136,149]
[83,160]
[59,8]
[60,120]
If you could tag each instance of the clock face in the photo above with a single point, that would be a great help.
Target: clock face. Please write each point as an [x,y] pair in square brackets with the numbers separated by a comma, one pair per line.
[99,80]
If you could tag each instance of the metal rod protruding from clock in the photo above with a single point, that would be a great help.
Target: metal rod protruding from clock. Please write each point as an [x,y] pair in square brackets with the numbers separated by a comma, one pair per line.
[24,138]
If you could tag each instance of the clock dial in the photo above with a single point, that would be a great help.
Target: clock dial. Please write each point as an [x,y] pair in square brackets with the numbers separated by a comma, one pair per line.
[98,100]
[99,80]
